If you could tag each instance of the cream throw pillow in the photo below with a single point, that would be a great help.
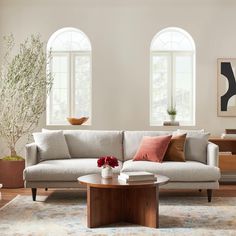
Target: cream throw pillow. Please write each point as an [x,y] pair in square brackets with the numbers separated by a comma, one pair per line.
[51,145]
[189,131]
[196,146]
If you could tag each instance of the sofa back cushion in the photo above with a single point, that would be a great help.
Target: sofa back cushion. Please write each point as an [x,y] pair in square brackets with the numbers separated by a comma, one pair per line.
[94,143]
[132,140]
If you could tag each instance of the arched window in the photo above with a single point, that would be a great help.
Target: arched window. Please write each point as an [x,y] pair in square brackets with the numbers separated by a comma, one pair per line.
[71,67]
[172,76]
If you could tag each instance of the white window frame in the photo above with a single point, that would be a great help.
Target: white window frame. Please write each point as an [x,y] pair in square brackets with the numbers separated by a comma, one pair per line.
[70,84]
[171,83]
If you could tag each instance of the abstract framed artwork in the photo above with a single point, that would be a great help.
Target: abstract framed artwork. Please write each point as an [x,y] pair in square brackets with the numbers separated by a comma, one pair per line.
[226,86]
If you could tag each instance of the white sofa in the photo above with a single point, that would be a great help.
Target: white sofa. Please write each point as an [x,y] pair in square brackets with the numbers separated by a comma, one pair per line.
[86,146]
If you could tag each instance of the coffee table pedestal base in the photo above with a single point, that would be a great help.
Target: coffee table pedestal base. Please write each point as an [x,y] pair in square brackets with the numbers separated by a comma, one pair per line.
[112,205]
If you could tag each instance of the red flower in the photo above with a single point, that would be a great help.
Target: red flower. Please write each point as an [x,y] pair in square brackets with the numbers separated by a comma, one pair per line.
[101,161]
[108,161]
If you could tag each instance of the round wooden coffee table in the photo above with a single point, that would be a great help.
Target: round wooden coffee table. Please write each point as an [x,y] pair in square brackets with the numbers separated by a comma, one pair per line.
[112,200]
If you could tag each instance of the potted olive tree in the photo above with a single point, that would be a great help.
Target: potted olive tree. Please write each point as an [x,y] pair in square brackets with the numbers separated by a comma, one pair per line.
[24,85]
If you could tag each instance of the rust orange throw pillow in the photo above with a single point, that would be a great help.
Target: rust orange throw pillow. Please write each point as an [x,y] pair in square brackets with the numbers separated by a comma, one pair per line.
[152,148]
[175,150]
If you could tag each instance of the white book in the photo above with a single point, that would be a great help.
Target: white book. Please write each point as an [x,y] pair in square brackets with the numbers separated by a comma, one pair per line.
[139,175]
[229,136]
[225,153]
[136,180]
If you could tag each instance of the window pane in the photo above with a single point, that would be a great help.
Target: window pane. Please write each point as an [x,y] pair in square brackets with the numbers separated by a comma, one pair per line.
[59,107]
[82,86]
[160,65]
[60,80]
[183,88]
[172,39]
[69,40]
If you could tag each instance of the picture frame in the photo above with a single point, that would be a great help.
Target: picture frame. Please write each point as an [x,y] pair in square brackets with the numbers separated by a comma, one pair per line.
[226,87]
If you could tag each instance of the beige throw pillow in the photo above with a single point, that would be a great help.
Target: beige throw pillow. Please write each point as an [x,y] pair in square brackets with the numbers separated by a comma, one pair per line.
[188,131]
[196,147]
[51,145]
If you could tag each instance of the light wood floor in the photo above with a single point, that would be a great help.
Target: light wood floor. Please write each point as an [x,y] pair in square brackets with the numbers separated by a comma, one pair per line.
[226,190]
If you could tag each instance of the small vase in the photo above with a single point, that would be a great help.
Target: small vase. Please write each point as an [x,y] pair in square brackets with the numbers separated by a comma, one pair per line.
[172,118]
[107,172]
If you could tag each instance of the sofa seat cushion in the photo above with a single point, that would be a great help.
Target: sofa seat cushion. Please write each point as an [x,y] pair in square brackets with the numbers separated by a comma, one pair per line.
[64,170]
[177,171]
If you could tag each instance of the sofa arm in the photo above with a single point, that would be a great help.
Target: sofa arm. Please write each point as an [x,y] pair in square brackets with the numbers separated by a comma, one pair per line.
[212,154]
[31,154]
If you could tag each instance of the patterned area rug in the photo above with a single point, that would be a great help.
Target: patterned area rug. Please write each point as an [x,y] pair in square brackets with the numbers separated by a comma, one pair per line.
[65,214]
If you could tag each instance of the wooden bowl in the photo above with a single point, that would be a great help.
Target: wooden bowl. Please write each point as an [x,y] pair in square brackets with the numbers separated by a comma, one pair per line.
[77,121]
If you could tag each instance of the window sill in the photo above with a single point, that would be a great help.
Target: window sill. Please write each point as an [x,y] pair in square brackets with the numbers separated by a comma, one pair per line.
[65,126]
[180,125]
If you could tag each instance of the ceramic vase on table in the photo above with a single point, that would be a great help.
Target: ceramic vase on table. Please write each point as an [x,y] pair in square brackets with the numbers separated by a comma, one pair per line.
[106,172]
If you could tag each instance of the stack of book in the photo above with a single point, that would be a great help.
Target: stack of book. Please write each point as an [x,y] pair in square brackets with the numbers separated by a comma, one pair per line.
[171,123]
[230,131]
[229,134]
[228,153]
[129,177]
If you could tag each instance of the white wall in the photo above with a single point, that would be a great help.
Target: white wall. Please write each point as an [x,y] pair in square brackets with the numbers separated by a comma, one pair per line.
[121,32]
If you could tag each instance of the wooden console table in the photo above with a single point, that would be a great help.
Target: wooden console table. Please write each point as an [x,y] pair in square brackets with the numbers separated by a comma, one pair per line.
[227,163]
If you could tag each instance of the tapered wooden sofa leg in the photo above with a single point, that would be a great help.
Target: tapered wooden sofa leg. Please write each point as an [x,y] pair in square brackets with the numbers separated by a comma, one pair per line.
[34,193]
[209,194]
